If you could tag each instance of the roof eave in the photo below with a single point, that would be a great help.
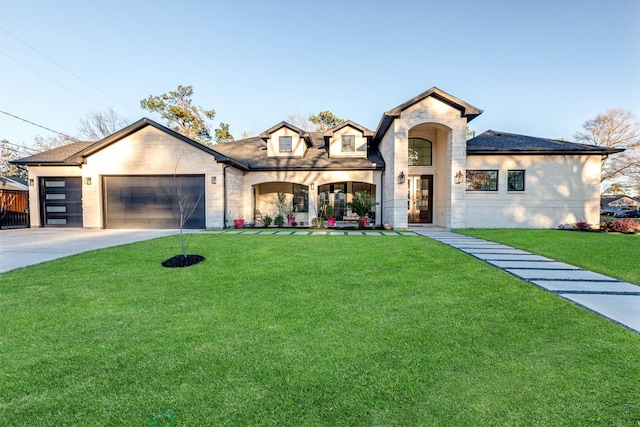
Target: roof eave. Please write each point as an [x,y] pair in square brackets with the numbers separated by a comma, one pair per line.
[539,152]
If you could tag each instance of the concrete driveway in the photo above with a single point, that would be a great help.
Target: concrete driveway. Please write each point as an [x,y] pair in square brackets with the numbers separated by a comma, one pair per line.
[28,246]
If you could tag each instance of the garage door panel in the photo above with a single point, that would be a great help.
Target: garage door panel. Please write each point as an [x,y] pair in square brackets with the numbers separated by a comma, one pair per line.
[153,201]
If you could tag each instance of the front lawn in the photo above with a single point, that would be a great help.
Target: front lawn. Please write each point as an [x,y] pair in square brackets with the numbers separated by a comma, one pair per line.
[304,330]
[612,254]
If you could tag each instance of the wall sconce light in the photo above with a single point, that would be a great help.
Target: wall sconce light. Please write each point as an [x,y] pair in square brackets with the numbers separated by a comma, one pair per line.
[313,186]
[401,178]
[87,181]
[31,182]
[213,179]
[459,178]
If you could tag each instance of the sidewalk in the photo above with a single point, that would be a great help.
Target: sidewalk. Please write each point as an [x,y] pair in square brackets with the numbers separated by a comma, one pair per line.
[611,298]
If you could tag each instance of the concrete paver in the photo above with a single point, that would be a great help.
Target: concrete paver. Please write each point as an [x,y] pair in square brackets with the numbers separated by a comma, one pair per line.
[28,246]
[609,297]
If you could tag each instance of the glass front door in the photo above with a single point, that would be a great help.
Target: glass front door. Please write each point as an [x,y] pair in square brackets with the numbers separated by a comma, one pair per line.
[420,201]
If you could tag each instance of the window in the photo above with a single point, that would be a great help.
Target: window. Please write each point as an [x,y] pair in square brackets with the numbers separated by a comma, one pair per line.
[515,180]
[348,143]
[482,180]
[285,144]
[300,198]
[419,152]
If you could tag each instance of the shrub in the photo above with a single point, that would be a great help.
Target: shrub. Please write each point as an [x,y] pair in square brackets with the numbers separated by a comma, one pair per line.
[266,220]
[625,226]
[606,226]
[582,226]
[278,220]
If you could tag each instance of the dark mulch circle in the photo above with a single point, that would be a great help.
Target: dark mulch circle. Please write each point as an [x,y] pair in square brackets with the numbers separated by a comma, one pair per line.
[183,261]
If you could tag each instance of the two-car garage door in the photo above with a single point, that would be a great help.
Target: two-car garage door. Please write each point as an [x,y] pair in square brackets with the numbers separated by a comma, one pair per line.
[153,201]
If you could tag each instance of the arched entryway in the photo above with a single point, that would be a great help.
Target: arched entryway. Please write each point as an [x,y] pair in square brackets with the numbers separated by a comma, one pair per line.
[427,146]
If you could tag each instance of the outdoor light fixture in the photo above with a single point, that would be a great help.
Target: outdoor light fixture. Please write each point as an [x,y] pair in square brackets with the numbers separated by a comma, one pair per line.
[313,186]
[87,181]
[459,177]
[401,178]
[213,179]
[30,182]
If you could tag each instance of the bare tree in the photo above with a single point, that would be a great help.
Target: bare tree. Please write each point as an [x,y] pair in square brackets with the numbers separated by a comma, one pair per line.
[615,128]
[97,125]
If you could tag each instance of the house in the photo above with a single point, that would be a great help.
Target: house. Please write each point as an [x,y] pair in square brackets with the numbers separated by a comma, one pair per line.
[621,202]
[418,165]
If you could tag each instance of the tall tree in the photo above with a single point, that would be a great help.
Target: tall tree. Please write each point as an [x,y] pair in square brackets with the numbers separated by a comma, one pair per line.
[181,116]
[615,128]
[320,122]
[325,120]
[222,134]
[97,125]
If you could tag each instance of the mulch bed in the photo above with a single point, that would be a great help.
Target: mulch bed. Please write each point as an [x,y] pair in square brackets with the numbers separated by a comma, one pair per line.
[183,261]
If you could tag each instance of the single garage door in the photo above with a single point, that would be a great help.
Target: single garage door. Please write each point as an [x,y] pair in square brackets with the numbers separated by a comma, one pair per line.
[153,201]
[61,201]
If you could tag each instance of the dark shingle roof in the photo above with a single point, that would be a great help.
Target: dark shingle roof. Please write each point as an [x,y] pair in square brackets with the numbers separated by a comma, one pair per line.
[252,153]
[495,142]
[65,155]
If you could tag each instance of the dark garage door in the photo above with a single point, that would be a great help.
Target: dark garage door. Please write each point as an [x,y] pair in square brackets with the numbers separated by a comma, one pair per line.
[61,201]
[153,201]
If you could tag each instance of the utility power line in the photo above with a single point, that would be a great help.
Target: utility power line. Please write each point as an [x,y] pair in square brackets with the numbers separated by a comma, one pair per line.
[40,126]
[64,68]
[52,80]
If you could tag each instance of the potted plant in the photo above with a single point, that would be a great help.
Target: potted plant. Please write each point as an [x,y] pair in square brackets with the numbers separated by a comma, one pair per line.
[290,214]
[239,222]
[278,221]
[330,214]
[361,204]
[266,220]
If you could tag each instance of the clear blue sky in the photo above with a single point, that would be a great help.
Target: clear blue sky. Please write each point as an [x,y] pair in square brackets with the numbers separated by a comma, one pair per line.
[536,67]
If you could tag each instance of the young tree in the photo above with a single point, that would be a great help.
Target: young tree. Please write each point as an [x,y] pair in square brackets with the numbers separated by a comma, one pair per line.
[97,125]
[222,134]
[615,128]
[181,116]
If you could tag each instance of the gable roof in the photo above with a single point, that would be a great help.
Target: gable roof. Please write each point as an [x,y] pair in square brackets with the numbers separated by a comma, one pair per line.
[67,155]
[619,201]
[73,154]
[467,110]
[496,142]
[252,154]
[365,132]
[272,129]
[137,126]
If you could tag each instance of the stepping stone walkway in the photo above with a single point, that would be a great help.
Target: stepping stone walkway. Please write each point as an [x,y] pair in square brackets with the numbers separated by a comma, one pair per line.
[307,232]
[611,298]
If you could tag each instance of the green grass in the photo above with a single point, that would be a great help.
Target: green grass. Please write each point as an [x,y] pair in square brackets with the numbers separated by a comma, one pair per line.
[304,330]
[612,254]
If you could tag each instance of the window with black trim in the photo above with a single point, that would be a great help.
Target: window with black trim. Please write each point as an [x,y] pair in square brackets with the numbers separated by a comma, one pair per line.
[286,144]
[482,180]
[348,143]
[300,198]
[515,180]
[420,151]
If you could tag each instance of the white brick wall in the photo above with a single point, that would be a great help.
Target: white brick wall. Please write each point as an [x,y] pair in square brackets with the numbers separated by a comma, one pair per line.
[558,190]
[151,152]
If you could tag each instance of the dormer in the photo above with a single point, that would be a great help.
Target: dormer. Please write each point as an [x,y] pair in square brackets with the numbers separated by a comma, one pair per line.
[348,139]
[285,140]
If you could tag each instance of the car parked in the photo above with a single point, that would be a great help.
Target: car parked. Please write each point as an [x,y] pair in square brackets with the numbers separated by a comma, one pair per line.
[612,210]
[627,214]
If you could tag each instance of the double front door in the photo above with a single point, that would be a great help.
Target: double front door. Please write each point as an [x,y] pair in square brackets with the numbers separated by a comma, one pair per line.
[420,202]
